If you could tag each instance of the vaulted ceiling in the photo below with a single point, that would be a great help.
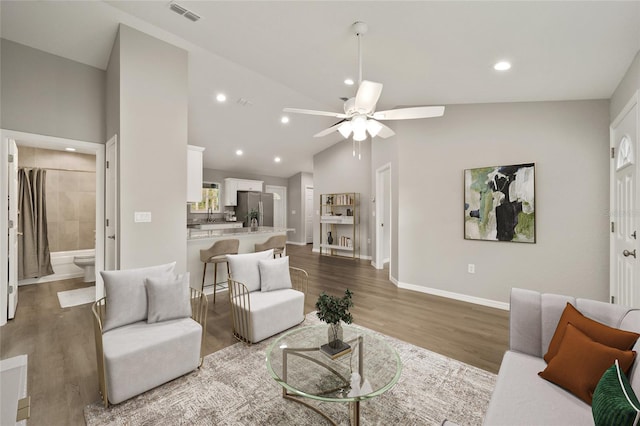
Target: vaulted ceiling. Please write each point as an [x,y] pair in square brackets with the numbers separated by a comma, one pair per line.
[266,55]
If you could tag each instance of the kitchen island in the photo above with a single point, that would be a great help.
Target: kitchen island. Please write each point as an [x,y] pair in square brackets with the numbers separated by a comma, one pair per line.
[199,239]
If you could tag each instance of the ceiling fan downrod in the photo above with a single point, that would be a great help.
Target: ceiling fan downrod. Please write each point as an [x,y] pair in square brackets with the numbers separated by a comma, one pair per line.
[360,29]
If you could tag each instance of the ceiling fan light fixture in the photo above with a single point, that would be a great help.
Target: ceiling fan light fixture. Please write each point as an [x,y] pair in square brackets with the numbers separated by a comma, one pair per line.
[373,127]
[359,135]
[345,129]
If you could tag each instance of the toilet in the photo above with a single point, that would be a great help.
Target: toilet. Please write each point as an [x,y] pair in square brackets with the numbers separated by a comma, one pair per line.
[88,263]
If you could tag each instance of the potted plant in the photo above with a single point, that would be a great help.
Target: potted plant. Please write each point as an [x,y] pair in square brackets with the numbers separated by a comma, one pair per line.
[333,310]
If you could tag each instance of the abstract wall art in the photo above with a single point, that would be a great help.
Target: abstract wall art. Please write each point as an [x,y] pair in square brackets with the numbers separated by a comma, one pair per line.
[499,203]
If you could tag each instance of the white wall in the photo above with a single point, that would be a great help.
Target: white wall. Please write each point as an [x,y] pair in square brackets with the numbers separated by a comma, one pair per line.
[153,150]
[568,141]
[336,170]
[49,95]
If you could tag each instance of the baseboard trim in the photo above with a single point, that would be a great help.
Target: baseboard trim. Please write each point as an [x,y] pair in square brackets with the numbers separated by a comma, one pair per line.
[317,250]
[296,243]
[451,295]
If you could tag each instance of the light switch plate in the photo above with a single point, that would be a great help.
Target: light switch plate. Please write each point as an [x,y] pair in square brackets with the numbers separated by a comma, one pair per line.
[142,217]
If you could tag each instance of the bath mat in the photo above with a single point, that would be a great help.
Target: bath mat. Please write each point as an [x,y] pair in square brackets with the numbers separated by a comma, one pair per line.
[79,296]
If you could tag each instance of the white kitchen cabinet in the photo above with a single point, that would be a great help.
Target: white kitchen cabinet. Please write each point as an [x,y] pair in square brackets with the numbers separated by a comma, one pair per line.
[232,186]
[194,173]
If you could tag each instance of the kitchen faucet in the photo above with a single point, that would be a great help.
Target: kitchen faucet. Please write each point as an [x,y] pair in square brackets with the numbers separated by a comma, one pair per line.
[209,215]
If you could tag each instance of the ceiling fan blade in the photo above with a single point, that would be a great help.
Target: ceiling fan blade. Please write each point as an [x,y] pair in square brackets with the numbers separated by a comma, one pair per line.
[314,112]
[329,130]
[367,96]
[382,130]
[410,113]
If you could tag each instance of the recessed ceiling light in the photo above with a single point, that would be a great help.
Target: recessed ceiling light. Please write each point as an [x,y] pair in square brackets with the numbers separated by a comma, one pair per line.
[239,152]
[221,97]
[348,82]
[70,149]
[284,119]
[502,66]
[277,159]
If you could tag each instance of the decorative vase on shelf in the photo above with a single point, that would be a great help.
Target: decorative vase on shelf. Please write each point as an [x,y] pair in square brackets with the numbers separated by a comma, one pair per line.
[335,335]
[329,238]
[254,223]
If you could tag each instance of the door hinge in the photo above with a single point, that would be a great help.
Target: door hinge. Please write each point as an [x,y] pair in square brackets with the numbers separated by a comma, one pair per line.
[612,227]
[613,299]
[11,158]
[106,222]
[107,164]
[11,224]
[613,152]
[10,289]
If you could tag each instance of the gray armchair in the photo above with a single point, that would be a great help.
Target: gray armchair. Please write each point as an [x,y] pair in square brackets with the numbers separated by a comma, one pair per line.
[151,350]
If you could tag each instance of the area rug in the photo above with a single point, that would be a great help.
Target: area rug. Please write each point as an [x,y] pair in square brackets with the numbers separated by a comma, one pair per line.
[79,296]
[233,387]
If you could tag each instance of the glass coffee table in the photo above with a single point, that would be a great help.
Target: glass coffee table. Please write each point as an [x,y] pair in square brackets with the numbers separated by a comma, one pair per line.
[296,361]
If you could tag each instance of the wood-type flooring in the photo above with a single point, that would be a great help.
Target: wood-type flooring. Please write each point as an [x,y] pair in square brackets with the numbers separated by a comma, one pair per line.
[60,343]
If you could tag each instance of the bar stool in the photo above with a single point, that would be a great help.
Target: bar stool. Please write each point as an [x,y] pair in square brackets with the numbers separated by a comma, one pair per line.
[277,243]
[216,254]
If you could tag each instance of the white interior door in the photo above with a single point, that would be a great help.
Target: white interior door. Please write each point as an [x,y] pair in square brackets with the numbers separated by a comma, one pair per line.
[279,205]
[111,206]
[308,214]
[383,216]
[13,230]
[624,195]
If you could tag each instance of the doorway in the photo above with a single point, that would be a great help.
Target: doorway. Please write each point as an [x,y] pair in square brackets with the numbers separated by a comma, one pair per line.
[308,214]
[31,140]
[383,217]
[279,205]
[111,254]
[624,286]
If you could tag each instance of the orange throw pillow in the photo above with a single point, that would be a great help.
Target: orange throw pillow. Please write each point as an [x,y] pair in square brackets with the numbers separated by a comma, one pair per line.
[609,336]
[581,362]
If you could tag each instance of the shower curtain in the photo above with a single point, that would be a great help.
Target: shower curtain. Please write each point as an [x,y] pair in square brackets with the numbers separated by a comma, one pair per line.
[33,248]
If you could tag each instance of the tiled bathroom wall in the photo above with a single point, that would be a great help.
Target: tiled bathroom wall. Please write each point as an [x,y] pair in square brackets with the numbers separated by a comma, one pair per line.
[71,196]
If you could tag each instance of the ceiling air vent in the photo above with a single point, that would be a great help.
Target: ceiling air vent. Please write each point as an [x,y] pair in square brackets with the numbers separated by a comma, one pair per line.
[184,12]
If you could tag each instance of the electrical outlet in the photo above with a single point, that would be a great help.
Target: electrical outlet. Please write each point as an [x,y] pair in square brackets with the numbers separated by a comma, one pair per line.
[471,268]
[142,217]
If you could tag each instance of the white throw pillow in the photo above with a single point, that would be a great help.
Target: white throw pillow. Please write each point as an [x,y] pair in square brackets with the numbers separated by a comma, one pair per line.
[274,274]
[126,294]
[244,268]
[168,298]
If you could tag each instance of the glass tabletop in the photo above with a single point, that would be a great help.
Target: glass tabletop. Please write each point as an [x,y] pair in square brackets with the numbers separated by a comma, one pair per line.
[298,363]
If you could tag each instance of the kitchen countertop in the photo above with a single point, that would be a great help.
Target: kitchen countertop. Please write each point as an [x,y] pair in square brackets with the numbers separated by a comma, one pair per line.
[200,234]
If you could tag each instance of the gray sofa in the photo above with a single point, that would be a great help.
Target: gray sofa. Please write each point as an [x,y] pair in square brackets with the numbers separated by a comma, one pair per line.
[521,397]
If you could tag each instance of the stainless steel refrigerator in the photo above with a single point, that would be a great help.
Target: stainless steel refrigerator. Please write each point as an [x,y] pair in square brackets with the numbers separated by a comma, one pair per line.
[259,201]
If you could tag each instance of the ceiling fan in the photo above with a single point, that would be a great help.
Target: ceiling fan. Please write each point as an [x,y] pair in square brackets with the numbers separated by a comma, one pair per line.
[360,116]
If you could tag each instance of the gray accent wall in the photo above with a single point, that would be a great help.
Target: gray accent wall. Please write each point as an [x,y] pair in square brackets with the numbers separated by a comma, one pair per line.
[628,86]
[336,170]
[568,142]
[112,97]
[153,150]
[49,95]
